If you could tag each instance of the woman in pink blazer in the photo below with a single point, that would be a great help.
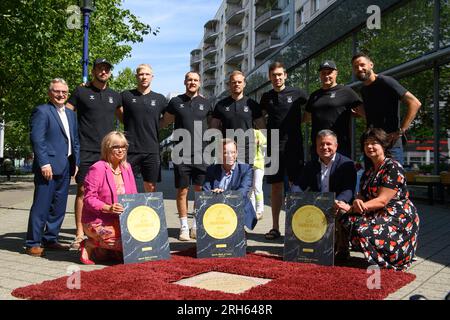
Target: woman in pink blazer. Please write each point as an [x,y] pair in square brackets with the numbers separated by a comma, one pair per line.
[106,179]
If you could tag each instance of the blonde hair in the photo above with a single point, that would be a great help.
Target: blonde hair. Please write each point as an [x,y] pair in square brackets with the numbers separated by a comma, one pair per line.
[107,144]
[237,73]
[142,66]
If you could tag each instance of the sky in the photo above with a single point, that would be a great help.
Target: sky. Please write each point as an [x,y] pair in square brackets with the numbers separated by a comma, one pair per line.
[181,29]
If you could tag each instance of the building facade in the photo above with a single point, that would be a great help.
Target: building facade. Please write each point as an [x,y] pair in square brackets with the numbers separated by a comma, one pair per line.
[407,39]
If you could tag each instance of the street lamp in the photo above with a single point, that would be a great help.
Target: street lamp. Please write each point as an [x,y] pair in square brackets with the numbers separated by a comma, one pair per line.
[86,6]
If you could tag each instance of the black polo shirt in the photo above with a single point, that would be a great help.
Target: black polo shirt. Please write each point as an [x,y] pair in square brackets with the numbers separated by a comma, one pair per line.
[141,115]
[237,114]
[332,109]
[382,103]
[96,114]
[284,111]
[188,112]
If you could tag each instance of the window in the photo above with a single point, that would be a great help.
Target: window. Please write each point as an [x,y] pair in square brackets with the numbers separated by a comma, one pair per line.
[315,5]
[300,16]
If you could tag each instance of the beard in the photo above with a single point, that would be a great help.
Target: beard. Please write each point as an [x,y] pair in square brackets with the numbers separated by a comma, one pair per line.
[364,76]
[101,80]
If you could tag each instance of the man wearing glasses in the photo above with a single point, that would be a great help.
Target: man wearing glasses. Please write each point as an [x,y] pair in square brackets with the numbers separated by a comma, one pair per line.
[54,138]
[96,106]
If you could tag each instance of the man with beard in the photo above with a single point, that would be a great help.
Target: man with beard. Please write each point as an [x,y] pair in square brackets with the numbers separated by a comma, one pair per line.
[142,110]
[381,96]
[190,111]
[96,106]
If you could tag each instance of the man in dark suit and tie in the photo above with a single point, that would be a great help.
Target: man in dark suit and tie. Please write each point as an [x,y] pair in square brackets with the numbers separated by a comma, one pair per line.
[232,176]
[333,172]
[54,138]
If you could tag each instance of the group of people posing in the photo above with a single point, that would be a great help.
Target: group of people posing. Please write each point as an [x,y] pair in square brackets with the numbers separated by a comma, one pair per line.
[76,136]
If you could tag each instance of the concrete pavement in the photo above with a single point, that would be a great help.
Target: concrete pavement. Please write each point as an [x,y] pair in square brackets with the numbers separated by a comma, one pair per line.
[432,267]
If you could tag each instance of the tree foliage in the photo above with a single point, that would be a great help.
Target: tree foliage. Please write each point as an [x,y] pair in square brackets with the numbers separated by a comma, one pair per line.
[36,45]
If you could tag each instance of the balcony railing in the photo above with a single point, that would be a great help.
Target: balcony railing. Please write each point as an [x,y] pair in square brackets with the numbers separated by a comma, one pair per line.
[209,51]
[263,46]
[234,14]
[209,82]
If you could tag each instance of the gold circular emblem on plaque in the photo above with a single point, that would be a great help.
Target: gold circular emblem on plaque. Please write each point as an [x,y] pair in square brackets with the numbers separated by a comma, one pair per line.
[220,221]
[143,224]
[309,224]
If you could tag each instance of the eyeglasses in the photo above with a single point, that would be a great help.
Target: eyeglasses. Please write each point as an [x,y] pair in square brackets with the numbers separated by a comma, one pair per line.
[117,147]
[64,93]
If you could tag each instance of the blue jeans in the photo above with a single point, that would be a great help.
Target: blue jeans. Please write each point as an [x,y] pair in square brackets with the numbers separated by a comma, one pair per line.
[397,153]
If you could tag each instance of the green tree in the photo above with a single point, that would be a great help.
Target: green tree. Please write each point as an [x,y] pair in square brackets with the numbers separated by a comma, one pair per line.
[37,45]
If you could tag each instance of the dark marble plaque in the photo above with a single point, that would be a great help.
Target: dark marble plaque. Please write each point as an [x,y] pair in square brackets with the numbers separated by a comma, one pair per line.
[310,228]
[220,225]
[144,229]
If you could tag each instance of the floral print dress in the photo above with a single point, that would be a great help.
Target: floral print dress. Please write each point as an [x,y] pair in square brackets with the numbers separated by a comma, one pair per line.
[387,236]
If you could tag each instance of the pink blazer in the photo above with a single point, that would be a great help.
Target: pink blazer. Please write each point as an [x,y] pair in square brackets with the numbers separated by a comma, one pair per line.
[100,189]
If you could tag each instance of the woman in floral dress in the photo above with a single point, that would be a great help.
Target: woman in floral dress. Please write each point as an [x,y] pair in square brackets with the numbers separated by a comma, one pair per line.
[382,222]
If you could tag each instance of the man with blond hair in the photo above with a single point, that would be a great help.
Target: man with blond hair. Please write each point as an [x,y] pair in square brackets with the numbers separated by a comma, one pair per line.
[238,112]
[142,110]
[191,112]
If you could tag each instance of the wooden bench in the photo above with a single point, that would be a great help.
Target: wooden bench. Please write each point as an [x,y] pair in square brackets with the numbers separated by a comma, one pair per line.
[430,181]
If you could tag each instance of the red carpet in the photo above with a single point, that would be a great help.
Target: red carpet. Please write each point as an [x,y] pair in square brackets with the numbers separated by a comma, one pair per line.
[153,281]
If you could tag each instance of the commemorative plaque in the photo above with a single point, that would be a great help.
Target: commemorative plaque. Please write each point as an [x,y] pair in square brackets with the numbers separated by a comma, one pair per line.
[144,229]
[220,225]
[309,229]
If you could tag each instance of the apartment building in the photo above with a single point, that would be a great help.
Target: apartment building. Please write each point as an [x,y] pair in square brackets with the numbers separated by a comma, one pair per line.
[242,35]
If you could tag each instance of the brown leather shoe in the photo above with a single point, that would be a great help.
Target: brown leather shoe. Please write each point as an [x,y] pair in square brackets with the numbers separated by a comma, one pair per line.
[35,251]
[56,246]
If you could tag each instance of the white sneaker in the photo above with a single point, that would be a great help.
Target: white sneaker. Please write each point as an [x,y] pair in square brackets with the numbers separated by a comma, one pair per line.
[193,233]
[184,235]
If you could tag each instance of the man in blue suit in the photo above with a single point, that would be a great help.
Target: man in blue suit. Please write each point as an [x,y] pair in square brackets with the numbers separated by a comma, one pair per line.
[333,172]
[54,138]
[232,176]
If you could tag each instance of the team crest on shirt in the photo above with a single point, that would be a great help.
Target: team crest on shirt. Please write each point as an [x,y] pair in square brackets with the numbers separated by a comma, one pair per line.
[181,106]
[153,103]
[289,99]
[111,100]
[201,107]
[134,101]
[91,97]
[333,95]
[245,109]
[227,108]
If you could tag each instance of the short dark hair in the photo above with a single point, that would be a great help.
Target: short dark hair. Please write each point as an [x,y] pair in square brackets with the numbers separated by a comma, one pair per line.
[275,65]
[361,55]
[378,135]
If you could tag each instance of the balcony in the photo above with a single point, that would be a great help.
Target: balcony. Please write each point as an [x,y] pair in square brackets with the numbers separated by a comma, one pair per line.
[234,1]
[234,14]
[211,32]
[234,35]
[209,52]
[234,56]
[209,67]
[269,20]
[267,46]
[209,83]
[196,57]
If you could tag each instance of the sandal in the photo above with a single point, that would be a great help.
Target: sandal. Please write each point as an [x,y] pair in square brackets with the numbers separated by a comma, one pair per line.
[272,234]
[76,243]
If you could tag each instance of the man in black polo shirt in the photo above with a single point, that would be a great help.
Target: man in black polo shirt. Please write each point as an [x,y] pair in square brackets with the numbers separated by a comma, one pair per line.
[239,112]
[190,111]
[381,98]
[142,111]
[331,108]
[283,105]
[96,106]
